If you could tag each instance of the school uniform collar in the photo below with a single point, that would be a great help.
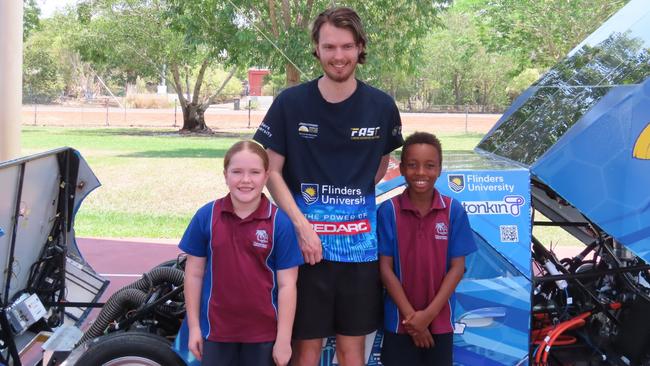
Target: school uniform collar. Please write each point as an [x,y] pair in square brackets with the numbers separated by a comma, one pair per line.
[436,204]
[262,212]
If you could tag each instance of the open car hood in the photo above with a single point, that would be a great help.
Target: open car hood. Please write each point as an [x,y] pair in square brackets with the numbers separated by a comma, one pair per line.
[583,130]
[39,198]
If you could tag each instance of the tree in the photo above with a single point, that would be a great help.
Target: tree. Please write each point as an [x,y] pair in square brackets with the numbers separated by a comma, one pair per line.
[31,12]
[147,37]
[459,67]
[539,33]
[275,34]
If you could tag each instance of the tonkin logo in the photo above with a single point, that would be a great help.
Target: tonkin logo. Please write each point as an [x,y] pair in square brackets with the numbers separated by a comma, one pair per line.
[456,182]
[309,192]
[510,205]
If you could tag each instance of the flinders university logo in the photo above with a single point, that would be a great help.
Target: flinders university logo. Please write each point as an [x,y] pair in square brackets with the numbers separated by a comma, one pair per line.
[309,192]
[456,182]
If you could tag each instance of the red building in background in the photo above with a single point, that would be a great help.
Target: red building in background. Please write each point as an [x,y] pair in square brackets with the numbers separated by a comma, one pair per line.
[256,81]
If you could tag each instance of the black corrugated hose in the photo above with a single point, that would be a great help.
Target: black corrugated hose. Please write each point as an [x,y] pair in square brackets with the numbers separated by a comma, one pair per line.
[131,297]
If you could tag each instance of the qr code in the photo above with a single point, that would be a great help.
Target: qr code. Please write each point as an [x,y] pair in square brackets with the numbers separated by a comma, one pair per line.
[509,233]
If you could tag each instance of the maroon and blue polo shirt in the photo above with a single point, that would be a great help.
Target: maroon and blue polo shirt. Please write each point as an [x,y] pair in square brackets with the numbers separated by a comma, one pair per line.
[422,248]
[239,299]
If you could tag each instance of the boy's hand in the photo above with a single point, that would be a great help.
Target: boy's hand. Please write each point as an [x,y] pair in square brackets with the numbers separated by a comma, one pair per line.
[195,342]
[423,339]
[417,322]
[281,353]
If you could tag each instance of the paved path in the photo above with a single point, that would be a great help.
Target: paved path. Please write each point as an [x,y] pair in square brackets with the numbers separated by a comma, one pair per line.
[227,120]
[124,261]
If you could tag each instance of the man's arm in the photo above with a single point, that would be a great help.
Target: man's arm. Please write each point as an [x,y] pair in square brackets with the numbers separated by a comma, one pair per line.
[309,242]
[383,166]
[286,312]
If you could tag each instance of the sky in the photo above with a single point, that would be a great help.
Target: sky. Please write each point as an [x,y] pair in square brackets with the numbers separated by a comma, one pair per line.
[48,7]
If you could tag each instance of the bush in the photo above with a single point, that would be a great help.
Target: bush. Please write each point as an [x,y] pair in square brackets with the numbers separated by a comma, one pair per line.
[148,101]
[40,76]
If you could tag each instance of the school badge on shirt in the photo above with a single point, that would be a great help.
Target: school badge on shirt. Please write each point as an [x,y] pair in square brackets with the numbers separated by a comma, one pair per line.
[441,231]
[261,239]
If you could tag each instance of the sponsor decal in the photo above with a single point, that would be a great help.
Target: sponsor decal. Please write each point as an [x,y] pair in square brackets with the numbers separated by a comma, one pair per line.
[262,239]
[397,130]
[265,129]
[441,231]
[487,183]
[364,133]
[309,192]
[510,205]
[341,228]
[331,195]
[456,182]
[642,145]
[308,130]
[509,233]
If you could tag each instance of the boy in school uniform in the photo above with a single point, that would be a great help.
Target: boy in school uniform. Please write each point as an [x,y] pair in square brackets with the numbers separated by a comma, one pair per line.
[424,237]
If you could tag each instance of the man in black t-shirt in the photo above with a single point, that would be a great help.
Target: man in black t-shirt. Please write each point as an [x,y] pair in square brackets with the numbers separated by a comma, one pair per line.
[328,142]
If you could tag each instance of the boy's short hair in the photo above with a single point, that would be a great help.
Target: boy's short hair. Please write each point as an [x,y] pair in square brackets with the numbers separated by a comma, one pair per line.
[422,138]
[341,17]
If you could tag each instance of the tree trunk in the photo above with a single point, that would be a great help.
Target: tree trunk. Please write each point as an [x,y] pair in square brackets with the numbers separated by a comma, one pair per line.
[194,118]
[193,112]
[456,85]
[293,76]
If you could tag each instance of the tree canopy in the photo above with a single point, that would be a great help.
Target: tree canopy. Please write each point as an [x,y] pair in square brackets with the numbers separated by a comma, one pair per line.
[469,52]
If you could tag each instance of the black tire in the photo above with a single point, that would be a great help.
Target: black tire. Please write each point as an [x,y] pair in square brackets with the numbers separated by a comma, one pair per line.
[130,348]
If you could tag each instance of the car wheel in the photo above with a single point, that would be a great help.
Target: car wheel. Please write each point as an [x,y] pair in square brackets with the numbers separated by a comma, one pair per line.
[130,348]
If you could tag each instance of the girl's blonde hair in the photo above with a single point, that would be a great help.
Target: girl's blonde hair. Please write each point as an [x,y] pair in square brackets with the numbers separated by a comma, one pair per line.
[249,145]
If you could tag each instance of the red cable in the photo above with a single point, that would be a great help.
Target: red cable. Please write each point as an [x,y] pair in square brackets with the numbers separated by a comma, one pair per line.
[542,346]
[571,325]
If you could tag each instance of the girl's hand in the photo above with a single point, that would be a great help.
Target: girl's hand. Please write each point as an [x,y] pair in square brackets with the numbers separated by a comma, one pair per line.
[281,353]
[195,343]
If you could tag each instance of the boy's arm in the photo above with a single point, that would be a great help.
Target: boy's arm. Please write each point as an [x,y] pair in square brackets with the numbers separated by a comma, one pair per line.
[309,242]
[396,292]
[286,312]
[421,319]
[394,287]
[193,283]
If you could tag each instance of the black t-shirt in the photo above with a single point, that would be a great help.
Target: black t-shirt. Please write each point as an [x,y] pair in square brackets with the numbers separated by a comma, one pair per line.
[332,152]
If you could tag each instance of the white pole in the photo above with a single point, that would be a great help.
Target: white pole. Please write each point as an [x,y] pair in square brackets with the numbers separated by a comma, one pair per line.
[11,77]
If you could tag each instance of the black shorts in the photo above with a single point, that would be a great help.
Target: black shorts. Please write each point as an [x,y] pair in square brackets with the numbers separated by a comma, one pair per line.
[337,298]
[399,350]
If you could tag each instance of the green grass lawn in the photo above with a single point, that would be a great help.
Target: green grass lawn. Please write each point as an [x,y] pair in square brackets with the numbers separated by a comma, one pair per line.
[153,180]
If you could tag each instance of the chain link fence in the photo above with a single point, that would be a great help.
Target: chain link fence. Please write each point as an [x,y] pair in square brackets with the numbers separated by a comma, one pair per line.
[234,113]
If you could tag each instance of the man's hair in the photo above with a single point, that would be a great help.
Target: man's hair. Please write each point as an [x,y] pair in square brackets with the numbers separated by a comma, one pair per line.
[248,145]
[422,138]
[341,17]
